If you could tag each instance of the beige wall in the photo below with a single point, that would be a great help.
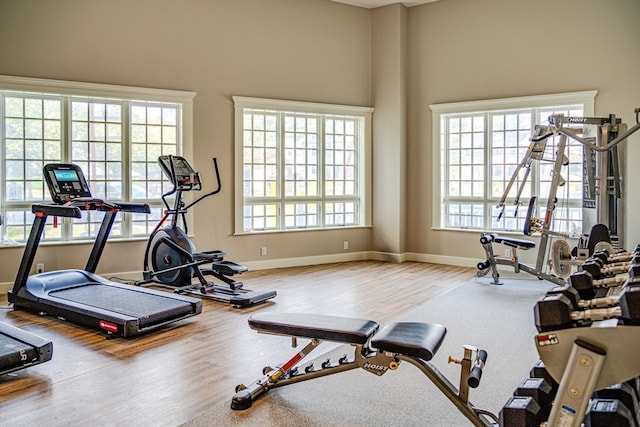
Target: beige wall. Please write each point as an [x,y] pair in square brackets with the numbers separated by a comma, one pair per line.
[389,89]
[395,59]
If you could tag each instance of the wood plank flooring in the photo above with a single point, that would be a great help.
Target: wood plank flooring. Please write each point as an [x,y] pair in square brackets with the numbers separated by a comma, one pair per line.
[171,376]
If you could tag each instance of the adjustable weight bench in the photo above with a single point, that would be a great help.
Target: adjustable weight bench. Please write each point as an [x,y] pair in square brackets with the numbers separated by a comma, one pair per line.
[376,351]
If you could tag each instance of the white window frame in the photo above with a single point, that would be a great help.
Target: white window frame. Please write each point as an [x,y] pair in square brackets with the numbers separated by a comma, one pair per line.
[363,164]
[71,90]
[585,98]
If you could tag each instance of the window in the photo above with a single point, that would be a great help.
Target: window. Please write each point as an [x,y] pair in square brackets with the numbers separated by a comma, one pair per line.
[300,165]
[115,134]
[478,146]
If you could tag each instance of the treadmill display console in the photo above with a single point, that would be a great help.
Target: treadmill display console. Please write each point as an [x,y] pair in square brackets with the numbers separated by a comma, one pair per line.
[66,182]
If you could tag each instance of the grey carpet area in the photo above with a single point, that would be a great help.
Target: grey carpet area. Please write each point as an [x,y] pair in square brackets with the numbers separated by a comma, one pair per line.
[496,318]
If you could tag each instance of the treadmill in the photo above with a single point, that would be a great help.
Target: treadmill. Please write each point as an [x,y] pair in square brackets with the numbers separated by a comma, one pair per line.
[20,349]
[81,296]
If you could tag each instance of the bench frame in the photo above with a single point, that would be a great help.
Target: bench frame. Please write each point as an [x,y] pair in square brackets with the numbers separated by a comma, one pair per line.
[367,357]
[492,260]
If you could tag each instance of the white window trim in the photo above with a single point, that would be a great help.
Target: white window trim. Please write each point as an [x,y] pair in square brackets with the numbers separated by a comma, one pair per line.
[97,90]
[242,102]
[587,98]
[50,87]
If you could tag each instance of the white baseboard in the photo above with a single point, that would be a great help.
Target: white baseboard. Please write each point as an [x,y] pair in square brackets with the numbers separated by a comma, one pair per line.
[317,260]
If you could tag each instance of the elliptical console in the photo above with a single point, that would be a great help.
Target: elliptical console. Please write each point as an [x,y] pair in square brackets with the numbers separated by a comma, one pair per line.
[171,258]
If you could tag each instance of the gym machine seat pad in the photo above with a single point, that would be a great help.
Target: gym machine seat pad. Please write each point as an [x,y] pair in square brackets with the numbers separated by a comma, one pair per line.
[315,326]
[414,339]
[515,243]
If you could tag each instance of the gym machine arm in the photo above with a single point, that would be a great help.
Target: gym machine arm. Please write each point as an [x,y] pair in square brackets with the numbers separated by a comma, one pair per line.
[557,121]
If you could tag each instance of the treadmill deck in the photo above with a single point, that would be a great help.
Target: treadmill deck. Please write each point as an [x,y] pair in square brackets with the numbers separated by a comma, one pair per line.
[149,308]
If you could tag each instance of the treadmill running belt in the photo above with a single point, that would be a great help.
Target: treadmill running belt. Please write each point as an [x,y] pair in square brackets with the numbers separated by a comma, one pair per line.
[15,354]
[149,308]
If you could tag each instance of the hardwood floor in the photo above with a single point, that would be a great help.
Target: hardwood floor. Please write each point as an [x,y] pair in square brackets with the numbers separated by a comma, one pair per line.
[171,376]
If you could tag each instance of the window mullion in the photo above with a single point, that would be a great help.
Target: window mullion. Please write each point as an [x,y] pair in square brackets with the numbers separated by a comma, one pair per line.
[125,161]
[320,137]
[488,182]
[444,164]
[2,159]
[280,170]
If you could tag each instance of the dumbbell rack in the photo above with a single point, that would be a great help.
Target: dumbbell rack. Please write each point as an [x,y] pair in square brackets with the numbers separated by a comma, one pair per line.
[589,350]
[585,360]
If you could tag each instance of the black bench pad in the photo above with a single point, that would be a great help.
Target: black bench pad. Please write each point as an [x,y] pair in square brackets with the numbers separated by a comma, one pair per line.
[318,326]
[414,339]
[515,243]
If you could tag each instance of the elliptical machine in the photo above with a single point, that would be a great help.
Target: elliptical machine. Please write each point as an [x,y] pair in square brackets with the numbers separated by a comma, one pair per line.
[171,259]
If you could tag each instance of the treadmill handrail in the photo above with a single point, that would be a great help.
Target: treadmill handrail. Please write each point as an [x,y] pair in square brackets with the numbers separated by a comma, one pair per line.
[91,203]
[57,210]
[74,208]
[133,207]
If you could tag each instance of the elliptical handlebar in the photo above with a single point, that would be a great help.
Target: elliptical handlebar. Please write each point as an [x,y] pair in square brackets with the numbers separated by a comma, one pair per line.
[185,178]
[211,193]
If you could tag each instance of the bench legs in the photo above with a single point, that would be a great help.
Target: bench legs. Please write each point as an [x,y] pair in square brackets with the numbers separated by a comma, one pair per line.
[288,373]
[491,260]
[376,362]
[478,417]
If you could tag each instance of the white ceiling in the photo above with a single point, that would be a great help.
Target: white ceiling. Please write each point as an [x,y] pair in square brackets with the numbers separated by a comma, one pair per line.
[372,4]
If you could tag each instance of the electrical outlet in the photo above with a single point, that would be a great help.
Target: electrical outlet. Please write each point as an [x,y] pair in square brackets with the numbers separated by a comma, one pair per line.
[39,268]
[263,251]
[345,245]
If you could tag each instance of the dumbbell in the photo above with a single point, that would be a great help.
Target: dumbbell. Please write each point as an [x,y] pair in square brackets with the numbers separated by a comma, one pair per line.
[540,390]
[556,311]
[540,371]
[530,404]
[635,385]
[521,411]
[580,303]
[624,256]
[618,265]
[623,392]
[608,413]
[599,271]
[586,285]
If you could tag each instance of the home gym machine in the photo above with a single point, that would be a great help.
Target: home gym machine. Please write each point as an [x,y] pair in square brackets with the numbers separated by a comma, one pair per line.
[81,296]
[602,197]
[20,349]
[171,258]
[376,352]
